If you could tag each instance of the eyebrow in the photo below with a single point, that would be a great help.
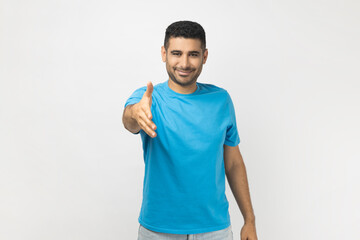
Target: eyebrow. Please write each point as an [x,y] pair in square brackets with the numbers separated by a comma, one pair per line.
[178,51]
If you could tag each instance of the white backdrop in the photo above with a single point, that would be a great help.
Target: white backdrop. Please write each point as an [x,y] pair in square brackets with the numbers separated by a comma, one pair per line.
[70,170]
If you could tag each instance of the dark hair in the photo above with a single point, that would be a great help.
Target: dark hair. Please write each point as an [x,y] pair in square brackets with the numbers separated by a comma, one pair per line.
[185,29]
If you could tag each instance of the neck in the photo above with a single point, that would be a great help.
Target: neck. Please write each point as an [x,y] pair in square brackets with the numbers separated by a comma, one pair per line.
[182,89]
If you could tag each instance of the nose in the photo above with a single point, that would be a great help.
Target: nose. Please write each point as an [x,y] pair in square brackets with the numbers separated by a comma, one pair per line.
[184,62]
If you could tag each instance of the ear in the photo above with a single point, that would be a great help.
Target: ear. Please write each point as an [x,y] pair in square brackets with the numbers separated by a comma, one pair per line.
[163,54]
[205,55]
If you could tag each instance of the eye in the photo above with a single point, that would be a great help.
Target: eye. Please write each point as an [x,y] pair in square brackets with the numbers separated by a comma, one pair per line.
[176,54]
[194,54]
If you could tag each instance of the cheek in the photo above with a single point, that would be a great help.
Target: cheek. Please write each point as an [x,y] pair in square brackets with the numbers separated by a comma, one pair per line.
[171,62]
[197,63]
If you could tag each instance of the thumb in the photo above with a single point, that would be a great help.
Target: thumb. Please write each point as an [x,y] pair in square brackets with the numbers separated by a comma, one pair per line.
[149,90]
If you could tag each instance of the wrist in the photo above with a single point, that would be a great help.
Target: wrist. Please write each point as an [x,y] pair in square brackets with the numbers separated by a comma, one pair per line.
[250,219]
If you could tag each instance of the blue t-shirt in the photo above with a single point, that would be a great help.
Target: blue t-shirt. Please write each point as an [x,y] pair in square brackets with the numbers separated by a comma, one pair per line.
[184,181]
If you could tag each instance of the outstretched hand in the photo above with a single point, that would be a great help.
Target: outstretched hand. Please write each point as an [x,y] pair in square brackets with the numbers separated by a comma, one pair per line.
[141,112]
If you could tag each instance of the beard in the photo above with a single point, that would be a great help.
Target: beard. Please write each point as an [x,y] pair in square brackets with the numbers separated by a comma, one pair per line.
[182,83]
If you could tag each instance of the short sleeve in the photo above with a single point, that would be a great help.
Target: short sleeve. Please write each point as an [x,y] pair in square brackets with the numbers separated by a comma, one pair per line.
[136,96]
[232,136]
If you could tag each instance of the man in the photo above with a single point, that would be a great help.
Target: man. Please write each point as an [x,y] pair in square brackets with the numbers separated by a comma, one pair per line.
[190,142]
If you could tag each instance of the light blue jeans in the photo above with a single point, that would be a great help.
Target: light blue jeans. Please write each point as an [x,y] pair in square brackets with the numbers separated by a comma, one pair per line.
[146,234]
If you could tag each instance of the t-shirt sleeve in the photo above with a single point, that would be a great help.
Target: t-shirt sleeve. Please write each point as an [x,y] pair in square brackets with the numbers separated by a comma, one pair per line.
[135,97]
[232,136]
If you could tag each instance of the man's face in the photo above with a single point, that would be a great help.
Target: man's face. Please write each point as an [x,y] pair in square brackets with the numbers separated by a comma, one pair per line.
[184,59]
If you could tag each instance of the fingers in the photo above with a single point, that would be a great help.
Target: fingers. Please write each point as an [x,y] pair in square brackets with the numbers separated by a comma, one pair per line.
[148,122]
[147,125]
[147,112]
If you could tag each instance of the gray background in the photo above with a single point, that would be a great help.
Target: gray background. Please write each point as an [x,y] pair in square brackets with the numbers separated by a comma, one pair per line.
[69,169]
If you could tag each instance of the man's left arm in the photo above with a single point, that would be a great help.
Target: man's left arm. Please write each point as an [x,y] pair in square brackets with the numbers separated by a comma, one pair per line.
[237,178]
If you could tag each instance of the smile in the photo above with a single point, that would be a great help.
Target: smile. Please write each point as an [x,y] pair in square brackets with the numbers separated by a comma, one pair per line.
[184,73]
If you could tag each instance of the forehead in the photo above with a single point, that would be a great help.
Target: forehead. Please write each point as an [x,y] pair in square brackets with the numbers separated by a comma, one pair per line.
[184,44]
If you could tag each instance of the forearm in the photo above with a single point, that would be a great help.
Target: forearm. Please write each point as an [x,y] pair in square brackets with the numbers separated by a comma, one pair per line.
[237,179]
[129,123]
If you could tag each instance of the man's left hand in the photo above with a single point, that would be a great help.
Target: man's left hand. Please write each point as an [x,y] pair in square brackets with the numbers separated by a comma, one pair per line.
[248,232]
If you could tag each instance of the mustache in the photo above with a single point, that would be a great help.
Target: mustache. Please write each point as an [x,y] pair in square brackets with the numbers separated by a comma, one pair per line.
[184,69]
